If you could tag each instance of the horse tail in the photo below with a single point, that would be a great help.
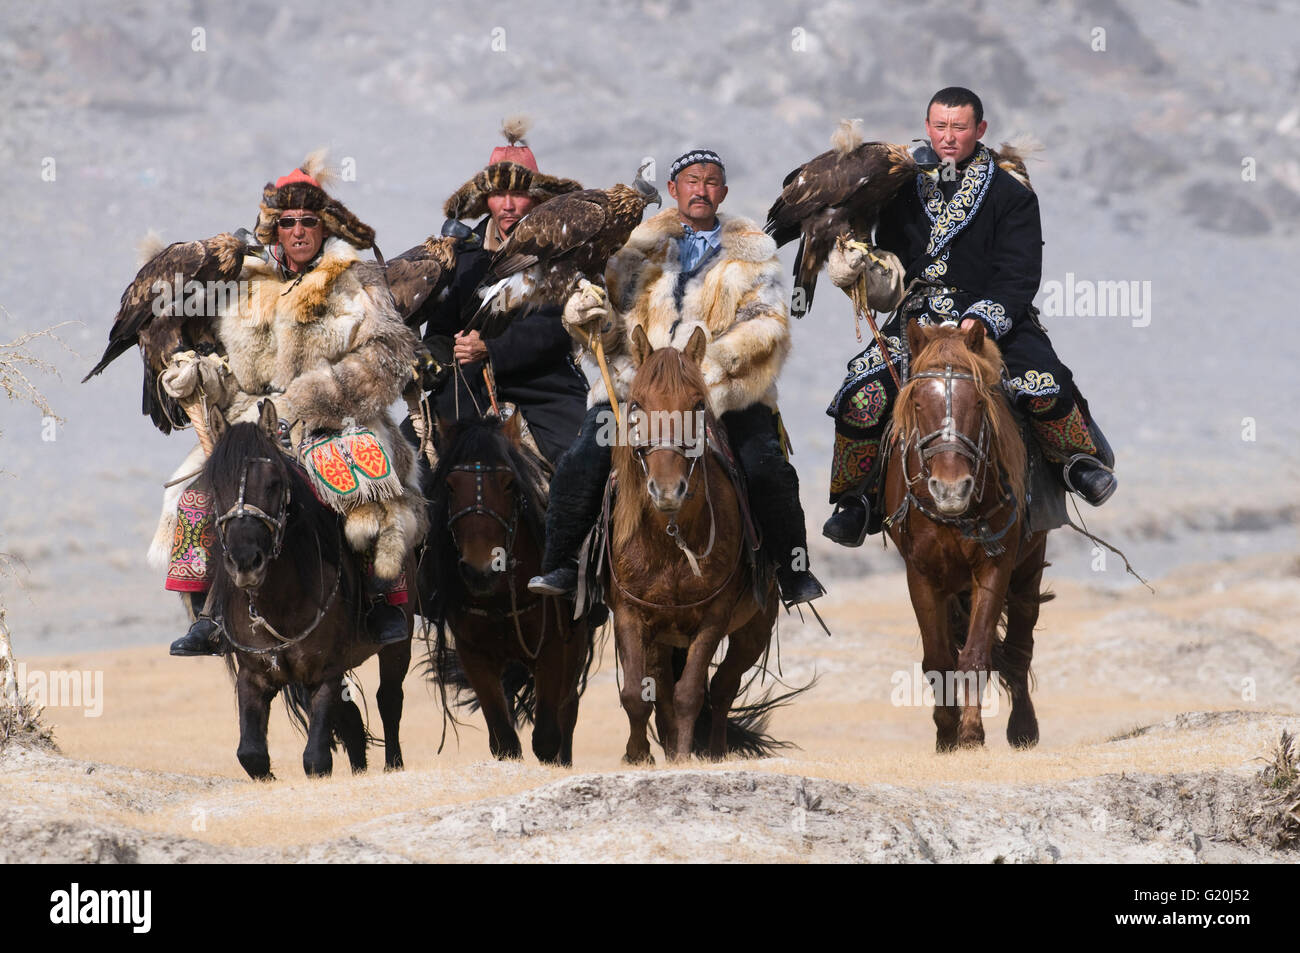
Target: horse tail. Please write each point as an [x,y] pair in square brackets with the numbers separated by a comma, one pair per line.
[297,704]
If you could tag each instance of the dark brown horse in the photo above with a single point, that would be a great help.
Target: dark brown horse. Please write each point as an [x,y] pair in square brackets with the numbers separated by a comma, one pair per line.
[291,600]
[522,655]
[679,577]
[955,492]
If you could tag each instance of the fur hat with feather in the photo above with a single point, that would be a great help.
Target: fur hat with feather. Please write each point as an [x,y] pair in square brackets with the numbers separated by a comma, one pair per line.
[511,168]
[304,188]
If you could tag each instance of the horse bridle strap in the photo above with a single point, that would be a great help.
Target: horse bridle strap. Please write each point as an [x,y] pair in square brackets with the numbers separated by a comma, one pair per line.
[950,439]
[245,510]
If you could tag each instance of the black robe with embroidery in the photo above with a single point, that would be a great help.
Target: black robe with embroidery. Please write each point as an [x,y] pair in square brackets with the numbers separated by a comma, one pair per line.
[531,359]
[992,257]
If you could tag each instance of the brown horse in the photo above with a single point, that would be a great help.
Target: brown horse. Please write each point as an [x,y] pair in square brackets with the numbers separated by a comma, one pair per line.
[679,577]
[290,599]
[522,655]
[955,492]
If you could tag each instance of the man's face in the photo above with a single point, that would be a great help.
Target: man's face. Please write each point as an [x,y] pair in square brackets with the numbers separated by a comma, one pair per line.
[953,132]
[507,208]
[299,242]
[699,190]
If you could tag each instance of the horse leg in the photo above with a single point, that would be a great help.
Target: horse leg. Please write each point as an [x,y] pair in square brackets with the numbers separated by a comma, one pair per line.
[745,647]
[317,759]
[1023,599]
[688,693]
[930,606]
[484,676]
[549,675]
[254,697]
[575,635]
[394,661]
[975,661]
[352,730]
[636,701]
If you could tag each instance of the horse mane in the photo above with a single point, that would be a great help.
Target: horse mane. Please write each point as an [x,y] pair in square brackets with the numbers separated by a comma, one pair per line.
[665,379]
[312,536]
[948,346]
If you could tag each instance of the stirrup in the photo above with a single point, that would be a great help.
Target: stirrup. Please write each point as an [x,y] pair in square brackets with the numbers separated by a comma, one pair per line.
[558,582]
[1096,465]
[852,536]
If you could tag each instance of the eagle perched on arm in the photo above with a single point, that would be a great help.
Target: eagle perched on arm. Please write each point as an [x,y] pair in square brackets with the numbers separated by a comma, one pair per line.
[163,311]
[560,243]
[842,190]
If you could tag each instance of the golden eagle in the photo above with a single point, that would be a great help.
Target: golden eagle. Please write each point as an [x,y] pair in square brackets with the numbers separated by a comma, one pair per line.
[559,243]
[839,191]
[420,273]
[169,307]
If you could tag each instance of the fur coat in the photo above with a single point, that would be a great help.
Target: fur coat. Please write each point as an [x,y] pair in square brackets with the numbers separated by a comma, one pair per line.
[328,348]
[736,295]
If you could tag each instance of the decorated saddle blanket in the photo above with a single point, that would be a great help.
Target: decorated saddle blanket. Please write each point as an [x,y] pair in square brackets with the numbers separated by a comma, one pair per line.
[349,468]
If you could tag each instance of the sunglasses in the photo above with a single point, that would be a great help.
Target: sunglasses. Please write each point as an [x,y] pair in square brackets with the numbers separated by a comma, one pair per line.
[288,222]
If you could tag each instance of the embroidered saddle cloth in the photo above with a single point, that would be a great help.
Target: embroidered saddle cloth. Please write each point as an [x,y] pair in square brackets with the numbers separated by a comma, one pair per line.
[350,467]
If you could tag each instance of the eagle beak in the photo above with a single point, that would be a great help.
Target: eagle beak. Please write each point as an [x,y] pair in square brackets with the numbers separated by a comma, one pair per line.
[647,189]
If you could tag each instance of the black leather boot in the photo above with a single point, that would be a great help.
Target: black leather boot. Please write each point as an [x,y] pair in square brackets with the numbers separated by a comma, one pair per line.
[201,639]
[385,624]
[848,525]
[1091,479]
[798,585]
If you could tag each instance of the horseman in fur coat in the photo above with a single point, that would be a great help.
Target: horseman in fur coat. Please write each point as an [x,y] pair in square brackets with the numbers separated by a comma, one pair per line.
[685,268]
[317,332]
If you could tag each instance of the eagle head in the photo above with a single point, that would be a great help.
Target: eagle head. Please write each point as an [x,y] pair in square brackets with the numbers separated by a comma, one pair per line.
[647,189]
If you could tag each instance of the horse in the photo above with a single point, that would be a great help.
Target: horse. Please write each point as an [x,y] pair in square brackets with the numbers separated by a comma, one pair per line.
[523,656]
[290,599]
[955,493]
[679,579]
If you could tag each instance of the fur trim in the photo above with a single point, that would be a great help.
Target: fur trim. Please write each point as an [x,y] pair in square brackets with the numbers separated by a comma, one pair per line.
[739,301]
[470,200]
[846,137]
[1013,156]
[160,549]
[149,247]
[334,214]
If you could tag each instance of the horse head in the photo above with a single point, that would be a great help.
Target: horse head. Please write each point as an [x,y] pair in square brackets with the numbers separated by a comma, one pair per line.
[251,487]
[484,488]
[952,415]
[667,408]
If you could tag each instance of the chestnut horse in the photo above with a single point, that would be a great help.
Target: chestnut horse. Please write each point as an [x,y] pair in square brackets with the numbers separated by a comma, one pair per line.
[522,655]
[955,492]
[679,577]
[290,599]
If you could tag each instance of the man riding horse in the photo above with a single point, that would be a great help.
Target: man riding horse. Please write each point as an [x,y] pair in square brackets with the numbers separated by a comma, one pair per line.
[530,360]
[318,331]
[685,268]
[966,242]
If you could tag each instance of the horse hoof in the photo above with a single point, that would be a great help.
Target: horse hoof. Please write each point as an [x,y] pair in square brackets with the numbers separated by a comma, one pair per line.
[647,759]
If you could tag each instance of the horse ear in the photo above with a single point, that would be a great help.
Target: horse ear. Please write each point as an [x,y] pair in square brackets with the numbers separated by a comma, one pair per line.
[216,423]
[270,417]
[975,337]
[695,346]
[915,338]
[640,346]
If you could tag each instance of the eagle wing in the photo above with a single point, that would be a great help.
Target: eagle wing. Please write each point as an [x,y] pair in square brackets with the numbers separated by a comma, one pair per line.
[421,272]
[832,193]
[152,317]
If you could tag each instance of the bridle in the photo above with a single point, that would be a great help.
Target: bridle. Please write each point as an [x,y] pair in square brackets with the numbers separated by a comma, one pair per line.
[242,509]
[511,526]
[642,450]
[948,439]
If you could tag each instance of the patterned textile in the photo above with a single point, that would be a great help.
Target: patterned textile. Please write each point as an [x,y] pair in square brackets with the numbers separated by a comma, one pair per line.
[349,468]
[948,218]
[865,405]
[1065,436]
[190,569]
[851,461]
[397,594]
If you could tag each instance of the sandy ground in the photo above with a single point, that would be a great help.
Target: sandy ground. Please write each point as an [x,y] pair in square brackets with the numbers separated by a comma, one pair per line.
[1154,708]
